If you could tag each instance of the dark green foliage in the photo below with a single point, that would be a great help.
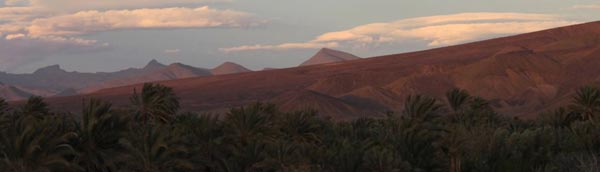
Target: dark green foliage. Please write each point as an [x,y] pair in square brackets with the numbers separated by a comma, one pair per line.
[155,148]
[30,144]
[3,105]
[462,134]
[155,103]
[98,137]
[587,102]
[421,108]
[36,107]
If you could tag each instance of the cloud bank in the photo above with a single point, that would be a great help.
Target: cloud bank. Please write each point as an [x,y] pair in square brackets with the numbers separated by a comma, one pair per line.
[87,22]
[586,7]
[442,30]
[31,30]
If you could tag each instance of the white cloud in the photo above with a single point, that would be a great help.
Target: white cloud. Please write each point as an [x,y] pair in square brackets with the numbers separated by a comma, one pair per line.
[81,5]
[286,46]
[440,30]
[86,22]
[31,30]
[587,7]
[21,14]
[15,36]
[16,2]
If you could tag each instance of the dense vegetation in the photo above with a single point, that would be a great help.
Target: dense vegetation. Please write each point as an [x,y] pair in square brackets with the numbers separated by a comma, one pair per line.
[460,133]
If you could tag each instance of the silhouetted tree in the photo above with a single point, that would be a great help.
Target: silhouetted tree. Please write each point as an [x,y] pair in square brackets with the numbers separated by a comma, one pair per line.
[36,107]
[35,145]
[155,103]
[99,133]
[587,102]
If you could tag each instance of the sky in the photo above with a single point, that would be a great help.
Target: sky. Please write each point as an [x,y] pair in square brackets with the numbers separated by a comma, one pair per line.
[110,35]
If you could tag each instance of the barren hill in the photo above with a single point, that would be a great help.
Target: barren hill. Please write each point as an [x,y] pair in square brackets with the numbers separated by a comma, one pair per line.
[521,75]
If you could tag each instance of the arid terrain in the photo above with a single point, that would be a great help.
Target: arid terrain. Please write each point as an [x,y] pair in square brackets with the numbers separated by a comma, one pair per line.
[523,74]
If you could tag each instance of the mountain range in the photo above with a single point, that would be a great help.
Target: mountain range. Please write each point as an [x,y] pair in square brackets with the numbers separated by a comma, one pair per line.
[55,81]
[520,75]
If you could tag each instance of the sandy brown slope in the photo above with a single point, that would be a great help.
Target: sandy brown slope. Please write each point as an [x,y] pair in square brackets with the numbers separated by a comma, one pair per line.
[521,74]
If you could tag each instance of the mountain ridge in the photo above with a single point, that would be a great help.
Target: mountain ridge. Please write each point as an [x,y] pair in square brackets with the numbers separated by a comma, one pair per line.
[52,80]
[520,75]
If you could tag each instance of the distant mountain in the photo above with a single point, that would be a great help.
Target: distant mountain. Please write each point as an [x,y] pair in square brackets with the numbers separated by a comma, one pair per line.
[154,65]
[327,55]
[520,75]
[55,81]
[154,71]
[229,68]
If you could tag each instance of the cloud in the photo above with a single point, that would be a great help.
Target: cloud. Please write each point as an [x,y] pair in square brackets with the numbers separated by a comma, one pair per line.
[286,46]
[172,51]
[21,14]
[31,30]
[586,7]
[81,5]
[16,2]
[439,30]
[87,22]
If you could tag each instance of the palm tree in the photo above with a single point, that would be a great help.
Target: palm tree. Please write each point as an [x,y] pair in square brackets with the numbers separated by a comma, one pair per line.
[414,142]
[247,124]
[458,99]
[283,155]
[36,107]
[247,131]
[383,159]
[421,108]
[451,142]
[98,136]
[558,119]
[202,135]
[155,103]
[4,117]
[301,126]
[345,154]
[153,148]
[587,102]
[3,106]
[32,145]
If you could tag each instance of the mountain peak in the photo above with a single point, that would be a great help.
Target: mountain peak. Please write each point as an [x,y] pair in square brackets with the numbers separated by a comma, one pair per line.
[154,64]
[229,68]
[326,55]
[326,50]
[50,69]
